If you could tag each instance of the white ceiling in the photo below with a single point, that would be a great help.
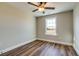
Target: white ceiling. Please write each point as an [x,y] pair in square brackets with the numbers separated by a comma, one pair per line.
[59,7]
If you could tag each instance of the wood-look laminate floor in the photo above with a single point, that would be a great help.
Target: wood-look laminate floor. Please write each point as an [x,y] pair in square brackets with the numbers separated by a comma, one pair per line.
[42,48]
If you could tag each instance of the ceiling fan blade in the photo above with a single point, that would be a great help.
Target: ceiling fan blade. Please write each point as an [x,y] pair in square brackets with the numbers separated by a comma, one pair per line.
[34,10]
[32,4]
[49,7]
[44,3]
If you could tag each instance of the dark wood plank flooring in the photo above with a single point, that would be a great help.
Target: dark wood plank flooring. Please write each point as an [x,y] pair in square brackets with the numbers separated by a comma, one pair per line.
[42,48]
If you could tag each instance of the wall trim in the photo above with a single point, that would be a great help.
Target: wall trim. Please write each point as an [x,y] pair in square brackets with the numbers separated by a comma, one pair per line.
[16,46]
[70,44]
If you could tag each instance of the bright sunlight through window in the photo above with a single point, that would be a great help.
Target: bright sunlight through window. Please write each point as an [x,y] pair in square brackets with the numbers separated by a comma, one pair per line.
[50,26]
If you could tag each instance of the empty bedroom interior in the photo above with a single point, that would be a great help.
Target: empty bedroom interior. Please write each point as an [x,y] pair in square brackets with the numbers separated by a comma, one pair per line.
[50,33]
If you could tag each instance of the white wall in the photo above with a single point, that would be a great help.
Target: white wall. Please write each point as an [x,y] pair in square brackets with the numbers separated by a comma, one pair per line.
[16,26]
[64,24]
[76,28]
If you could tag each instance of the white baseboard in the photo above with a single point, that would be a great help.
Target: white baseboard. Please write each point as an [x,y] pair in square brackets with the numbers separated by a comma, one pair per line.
[77,51]
[70,44]
[16,46]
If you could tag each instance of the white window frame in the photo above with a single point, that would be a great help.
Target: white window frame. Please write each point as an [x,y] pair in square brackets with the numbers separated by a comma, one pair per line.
[52,18]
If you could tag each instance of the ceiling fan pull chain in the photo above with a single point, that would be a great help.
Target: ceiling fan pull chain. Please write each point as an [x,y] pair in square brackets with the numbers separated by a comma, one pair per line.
[43,12]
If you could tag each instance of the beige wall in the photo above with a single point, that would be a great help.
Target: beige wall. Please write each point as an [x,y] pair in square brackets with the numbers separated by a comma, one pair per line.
[76,28]
[64,27]
[16,26]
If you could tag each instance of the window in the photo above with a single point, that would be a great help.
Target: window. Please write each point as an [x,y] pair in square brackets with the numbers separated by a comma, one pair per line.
[50,26]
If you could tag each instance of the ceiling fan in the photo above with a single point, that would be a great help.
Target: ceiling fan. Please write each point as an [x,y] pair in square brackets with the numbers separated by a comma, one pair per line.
[41,7]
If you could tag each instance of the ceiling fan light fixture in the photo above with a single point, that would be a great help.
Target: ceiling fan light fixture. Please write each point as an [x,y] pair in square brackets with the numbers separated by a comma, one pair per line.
[41,9]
